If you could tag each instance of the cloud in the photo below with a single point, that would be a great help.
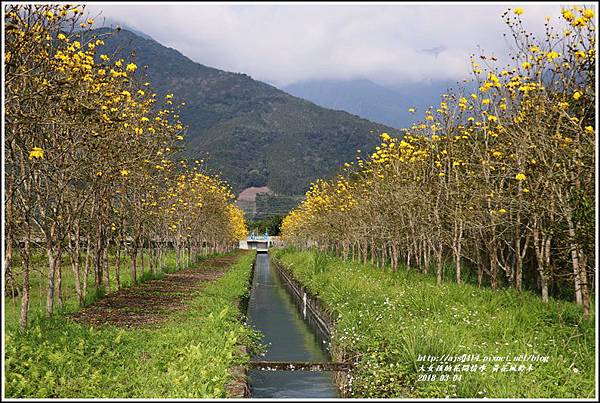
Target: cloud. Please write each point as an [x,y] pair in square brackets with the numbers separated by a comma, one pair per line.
[285,43]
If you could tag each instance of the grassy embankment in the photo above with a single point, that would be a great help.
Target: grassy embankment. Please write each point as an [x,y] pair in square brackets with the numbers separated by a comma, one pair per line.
[39,282]
[189,355]
[388,319]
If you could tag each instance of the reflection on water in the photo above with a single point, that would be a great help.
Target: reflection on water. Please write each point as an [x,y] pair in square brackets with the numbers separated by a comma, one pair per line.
[288,337]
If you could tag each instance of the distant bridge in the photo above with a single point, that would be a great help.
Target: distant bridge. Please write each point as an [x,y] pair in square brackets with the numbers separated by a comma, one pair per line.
[261,243]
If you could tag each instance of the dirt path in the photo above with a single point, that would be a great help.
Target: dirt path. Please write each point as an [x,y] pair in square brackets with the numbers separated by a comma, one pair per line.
[150,303]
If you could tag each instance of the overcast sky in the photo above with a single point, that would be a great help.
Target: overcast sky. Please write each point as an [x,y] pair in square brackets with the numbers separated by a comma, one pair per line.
[287,43]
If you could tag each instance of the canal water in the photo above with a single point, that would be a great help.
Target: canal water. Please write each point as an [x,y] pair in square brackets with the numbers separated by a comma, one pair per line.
[288,337]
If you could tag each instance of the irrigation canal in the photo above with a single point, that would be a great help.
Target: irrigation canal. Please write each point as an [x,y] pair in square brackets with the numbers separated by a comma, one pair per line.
[289,338]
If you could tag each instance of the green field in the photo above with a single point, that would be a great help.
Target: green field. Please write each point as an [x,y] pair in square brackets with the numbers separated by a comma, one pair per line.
[189,355]
[386,320]
[39,282]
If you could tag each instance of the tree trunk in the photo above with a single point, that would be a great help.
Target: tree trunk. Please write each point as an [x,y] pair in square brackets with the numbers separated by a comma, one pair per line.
[178,253]
[479,266]
[457,248]
[189,254]
[143,257]
[364,252]
[394,257]
[494,264]
[8,224]
[76,263]
[58,272]
[25,259]
[105,263]
[149,255]
[579,271]
[585,295]
[86,271]
[133,257]
[438,266]
[8,255]
[426,256]
[98,258]
[541,247]
[51,279]
[118,265]
[520,253]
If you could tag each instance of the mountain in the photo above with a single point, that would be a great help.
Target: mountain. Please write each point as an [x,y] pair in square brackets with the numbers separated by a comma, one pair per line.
[253,133]
[388,105]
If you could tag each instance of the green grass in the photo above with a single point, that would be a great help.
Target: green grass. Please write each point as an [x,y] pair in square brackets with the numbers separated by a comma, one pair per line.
[188,356]
[387,319]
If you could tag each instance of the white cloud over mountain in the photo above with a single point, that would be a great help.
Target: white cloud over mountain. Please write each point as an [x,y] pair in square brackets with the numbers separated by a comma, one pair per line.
[285,43]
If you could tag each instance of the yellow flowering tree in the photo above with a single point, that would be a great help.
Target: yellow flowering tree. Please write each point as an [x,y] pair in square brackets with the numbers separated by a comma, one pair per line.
[498,181]
[90,159]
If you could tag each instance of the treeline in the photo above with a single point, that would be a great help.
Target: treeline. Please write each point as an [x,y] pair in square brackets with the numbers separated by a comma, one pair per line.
[497,183]
[271,225]
[89,161]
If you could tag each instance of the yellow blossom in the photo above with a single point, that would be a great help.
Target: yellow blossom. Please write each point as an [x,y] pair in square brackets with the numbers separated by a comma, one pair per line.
[568,15]
[518,11]
[520,176]
[36,152]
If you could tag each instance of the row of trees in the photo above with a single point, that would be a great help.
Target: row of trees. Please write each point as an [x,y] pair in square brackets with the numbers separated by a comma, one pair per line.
[89,161]
[497,182]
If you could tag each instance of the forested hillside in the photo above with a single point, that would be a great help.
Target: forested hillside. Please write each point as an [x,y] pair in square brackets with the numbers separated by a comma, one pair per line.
[251,132]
